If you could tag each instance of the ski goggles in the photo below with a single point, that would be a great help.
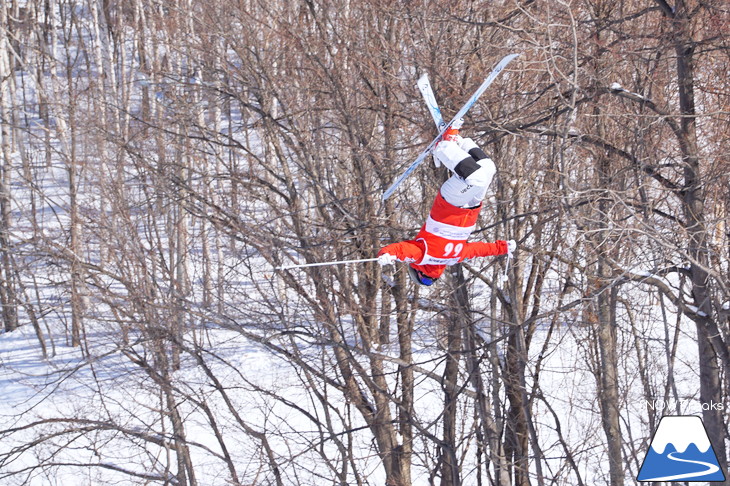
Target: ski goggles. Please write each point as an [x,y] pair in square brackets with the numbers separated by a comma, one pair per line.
[420,277]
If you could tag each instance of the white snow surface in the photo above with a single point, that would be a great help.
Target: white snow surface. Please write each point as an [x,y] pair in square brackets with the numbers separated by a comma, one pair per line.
[72,391]
[272,396]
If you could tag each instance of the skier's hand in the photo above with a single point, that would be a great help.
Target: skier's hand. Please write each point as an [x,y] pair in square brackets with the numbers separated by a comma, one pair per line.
[511,247]
[387,259]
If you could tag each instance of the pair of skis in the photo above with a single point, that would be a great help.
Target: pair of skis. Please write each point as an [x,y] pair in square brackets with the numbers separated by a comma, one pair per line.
[425,87]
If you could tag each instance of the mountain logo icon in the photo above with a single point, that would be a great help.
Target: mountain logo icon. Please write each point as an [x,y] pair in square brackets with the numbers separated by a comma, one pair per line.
[680,451]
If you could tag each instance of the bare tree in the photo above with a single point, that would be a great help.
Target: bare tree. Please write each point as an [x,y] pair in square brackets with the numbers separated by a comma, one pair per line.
[158,159]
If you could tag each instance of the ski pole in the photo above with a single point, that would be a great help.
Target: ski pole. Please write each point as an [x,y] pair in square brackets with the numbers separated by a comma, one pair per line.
[506,269]
[340,262]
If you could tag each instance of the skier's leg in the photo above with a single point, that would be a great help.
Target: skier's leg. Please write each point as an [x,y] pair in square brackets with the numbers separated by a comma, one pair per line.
[484,175]
[456,159]
[469,193]
[461,158]
[473,172]
[468,145]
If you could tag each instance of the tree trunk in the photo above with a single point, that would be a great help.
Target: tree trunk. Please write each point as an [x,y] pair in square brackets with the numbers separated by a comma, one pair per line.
[710,343]
[517,433]
[608,392]
[489,433]
[458,319]
[8,298]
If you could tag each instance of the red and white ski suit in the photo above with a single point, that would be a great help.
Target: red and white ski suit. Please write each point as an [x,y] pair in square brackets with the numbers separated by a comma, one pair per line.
[442,240]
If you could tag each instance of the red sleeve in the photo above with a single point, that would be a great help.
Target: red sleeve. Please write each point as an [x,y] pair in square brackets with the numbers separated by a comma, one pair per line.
[404,250]
[480,249]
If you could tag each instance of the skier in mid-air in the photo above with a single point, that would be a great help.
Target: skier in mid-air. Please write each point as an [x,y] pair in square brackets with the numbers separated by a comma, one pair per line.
[453,216]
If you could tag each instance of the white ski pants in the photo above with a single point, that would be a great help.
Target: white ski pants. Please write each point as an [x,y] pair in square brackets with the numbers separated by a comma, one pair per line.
[469,192]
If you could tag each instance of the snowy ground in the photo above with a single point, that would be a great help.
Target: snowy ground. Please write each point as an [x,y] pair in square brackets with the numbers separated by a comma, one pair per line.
[112,395]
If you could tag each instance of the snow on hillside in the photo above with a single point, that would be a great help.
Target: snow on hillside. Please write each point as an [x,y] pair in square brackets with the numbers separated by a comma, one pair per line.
[69,392]
[108,392]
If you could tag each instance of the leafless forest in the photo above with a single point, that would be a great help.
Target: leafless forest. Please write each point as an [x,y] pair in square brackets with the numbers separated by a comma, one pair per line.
[161,157]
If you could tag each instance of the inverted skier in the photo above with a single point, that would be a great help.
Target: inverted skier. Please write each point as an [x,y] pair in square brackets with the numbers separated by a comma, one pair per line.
[453,216]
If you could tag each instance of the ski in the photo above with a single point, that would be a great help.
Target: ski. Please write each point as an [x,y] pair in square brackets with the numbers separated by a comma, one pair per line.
[470,102]
[424,85]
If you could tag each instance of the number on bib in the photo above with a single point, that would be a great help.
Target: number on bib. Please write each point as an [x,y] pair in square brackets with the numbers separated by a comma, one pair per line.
[451,250]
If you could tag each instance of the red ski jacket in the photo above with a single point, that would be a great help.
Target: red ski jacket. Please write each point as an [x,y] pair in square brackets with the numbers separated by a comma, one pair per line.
[442,240]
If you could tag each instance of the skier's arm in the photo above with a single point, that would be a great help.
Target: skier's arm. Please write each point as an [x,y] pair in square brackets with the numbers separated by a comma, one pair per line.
[405,251]
[481,249]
